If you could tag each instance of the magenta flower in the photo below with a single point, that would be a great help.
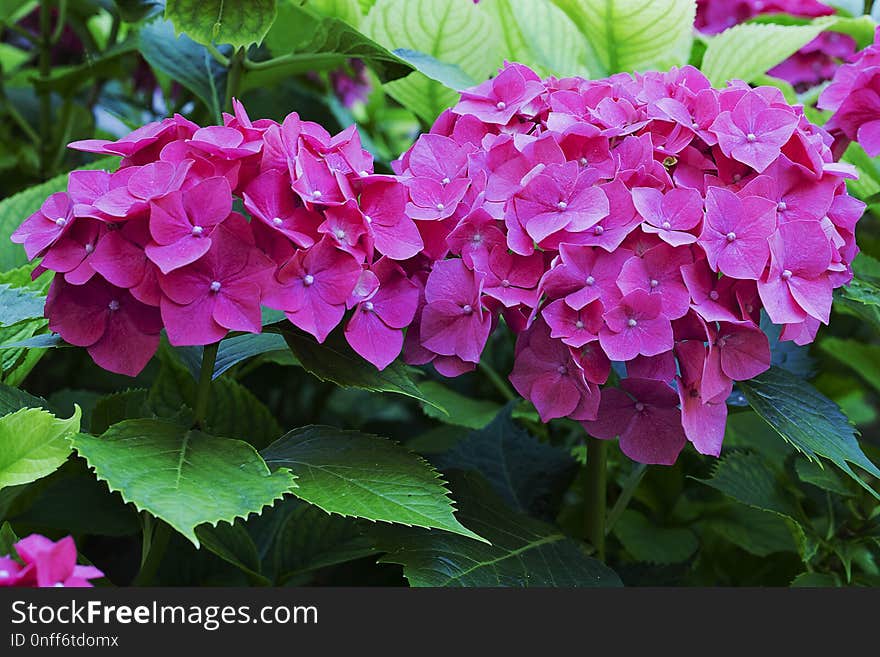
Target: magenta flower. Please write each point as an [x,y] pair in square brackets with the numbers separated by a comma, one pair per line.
[73,253]
[182,223]
[702,418]
[395,235]
[218,293]
[546,374]
[658,272]
[347,227]
[139,186]
[737,351]
[754,132]
[475,236]
[711,297]
[796,284]
[635,326]
[45,227]
[314,286]
[735,233]
[46,564]
[574,327]
[120,333]
[510,278]
[454,322]
[269,199]
[584,274]
[499,99]
[382,311]
[646,417]
[670,216]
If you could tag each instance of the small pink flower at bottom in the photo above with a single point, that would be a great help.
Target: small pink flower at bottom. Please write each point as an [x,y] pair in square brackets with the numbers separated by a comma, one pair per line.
[120,333]
[646,417]
[46,564]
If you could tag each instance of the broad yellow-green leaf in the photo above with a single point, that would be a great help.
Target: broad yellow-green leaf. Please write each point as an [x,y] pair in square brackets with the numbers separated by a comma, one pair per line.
[33,444]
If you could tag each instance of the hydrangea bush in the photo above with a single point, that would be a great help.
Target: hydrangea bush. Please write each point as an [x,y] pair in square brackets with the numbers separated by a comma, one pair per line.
[389,331]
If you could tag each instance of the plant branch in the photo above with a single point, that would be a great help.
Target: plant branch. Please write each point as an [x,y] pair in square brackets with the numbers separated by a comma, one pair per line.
[59,25]
[496,379]
[596,491]
[222,59]
[156,535]
[44,93]
[206,376]
[233,79]
[629,488]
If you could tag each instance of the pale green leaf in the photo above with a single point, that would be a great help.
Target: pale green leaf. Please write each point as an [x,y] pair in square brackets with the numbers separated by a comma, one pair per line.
[18,304]
[239,23]
[652,544]
[461,410]
[185,477]
[454,31]
[365,476]
[233,544]
[632,35]
[33,444]
[863,358]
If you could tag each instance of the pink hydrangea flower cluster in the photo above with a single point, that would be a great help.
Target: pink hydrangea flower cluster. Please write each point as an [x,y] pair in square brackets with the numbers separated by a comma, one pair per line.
[163,242]
[45,564]
[816,62]
[640,219]
[854,97]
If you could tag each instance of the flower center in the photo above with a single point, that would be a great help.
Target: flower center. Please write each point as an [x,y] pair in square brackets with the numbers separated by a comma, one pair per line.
[640,407]
[89,249]
[584,161]
[467,309]
[505,283]
[579,324]
[61,222]
[562,369]
[316,193]
[666,225]
[654,283]
[751,137]
[339,233]
[731,236]
[368,219]
[598,230]
[786,274]
[632,322]
[4,574]
[277,221]
[477,238]
[440,206]
[501,105]
[445,181]
[590,281]
[782,206]
[363,172]
[713,295]
[561,205]
[113,305]
[308,279]
[368,306]
[197,231]
[215,286]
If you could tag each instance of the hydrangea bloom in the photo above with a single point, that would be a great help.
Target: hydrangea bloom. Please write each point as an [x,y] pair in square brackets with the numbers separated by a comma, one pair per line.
[816,62]
[43,563]
[643,220]
[157,245]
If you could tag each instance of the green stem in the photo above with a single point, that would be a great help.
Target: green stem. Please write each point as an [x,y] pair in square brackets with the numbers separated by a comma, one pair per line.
[222,59]
[156,537]
[499,383]
[59,25]
[629,488]
[233,79]
[203,394]
[45,95]
[595,498]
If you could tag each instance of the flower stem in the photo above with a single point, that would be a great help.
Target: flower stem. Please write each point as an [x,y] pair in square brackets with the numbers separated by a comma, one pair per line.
[45,95]
[233,79]
[629,488]
[596,494]
[496,380]
[156,537]
[203,394]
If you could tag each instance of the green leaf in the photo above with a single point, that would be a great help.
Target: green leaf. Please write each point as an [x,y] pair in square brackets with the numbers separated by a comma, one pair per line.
[749,50]
[808,420]
[758,532]
[334,361]
[119,406]
[631,35]
[462,411]
[18,207]
[449,75]
[186,62]
[816,580]
[816,474]
[539,34]
[305,41]
[233,544]
[311,539]
[525,472]
[455,32]
[13,399]
[652,544]
[523,552]
[33,444]
[18,305]
[185,477]
[17,362]
[747,478]
[132,11]
[364,476]
[863,358]
[232,351]
[239,23]
[7,539]
[67,80]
